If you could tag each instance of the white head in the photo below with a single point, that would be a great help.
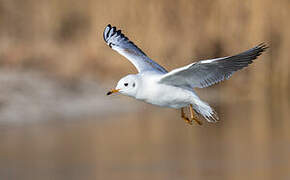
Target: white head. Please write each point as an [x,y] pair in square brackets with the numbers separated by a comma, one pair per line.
[127,85]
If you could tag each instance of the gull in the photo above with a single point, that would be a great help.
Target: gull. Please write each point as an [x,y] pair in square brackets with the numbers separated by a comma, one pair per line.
[175,89]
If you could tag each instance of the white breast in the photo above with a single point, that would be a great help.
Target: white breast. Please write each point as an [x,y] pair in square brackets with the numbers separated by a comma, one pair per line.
[163,95]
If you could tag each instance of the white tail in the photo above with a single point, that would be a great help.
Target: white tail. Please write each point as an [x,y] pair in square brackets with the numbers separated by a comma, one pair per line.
[206,111]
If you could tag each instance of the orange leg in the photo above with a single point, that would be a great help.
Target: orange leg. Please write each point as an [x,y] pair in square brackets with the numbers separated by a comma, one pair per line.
[186,119]
[193,117]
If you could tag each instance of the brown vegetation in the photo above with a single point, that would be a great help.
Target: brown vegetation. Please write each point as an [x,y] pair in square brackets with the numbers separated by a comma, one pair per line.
[63,38]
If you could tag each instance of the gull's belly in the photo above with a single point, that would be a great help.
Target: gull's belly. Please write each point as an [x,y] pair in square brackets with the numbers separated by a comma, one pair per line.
[167,96]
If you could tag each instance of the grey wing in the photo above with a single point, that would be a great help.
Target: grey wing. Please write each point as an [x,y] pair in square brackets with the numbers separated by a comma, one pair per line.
[208,72]
[120,43]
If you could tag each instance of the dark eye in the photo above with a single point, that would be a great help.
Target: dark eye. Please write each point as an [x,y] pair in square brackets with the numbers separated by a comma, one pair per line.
[134,84]
[125,84]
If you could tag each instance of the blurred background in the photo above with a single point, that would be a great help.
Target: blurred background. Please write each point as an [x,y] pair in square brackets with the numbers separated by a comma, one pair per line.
[55,69]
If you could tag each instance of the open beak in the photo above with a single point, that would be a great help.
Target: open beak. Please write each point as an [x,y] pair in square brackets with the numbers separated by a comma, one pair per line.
[113,91]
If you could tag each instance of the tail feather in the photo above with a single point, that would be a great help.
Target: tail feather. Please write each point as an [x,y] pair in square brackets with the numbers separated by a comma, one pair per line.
[206,111]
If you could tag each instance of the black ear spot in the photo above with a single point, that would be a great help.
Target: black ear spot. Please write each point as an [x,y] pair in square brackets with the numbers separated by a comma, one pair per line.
[134,85]
[125,84]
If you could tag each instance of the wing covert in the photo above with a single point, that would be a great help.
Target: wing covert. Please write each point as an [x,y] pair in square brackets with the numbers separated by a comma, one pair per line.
[208,72]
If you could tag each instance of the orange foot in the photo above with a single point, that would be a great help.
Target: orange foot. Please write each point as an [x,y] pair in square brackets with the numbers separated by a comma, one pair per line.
[193,117]
[186,119]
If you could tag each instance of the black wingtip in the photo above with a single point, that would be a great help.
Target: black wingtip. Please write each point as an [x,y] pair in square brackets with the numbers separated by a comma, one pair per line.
[110,31]
[260,48]
[106,32]
[263,46]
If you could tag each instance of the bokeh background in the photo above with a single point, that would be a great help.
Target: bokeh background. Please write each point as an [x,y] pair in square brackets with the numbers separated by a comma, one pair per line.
[55,69]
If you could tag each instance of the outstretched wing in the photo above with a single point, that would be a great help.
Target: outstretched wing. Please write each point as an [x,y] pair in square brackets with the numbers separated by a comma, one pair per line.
[120,43]
[208,72]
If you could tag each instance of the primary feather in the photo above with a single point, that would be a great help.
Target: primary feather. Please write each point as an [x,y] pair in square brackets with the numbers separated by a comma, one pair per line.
[120,43]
